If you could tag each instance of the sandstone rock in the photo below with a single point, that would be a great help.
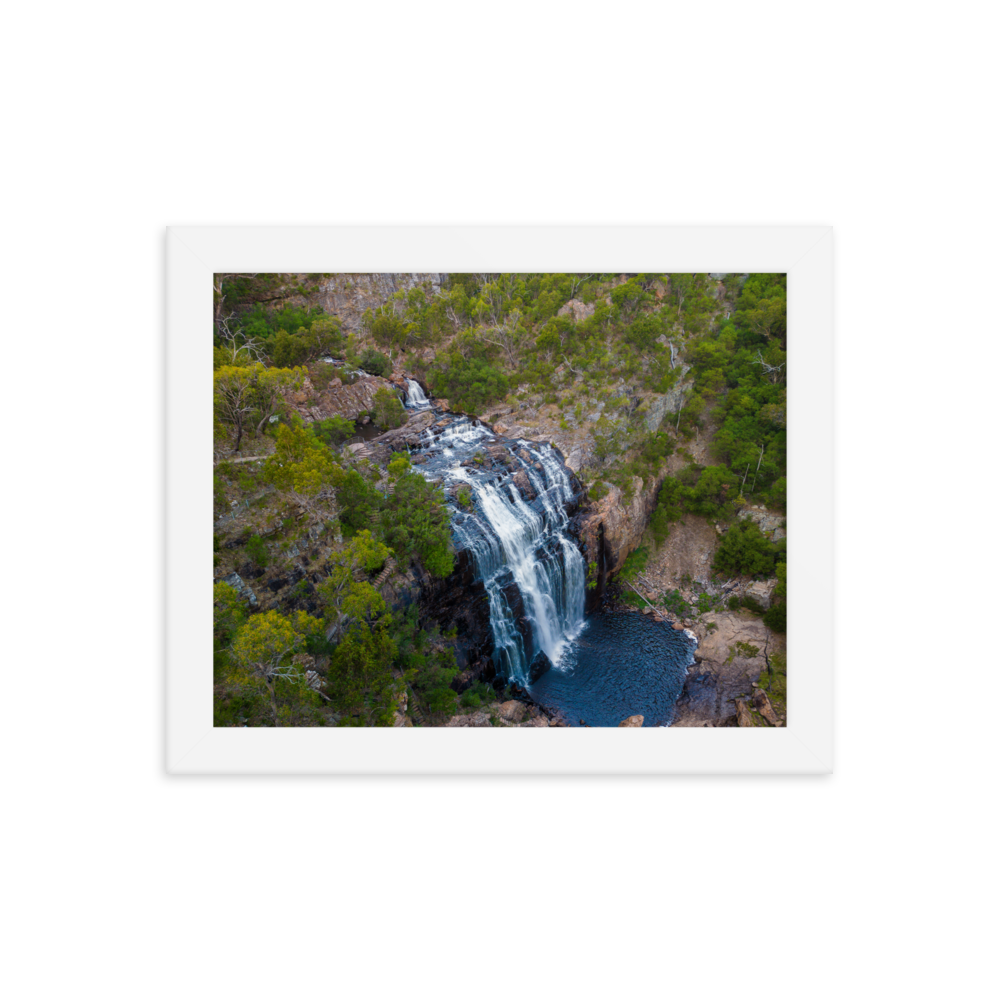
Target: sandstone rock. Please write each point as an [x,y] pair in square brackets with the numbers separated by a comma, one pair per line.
[760,591]
[763,705]
[632,720]
[743,716]
[512,711]
[577,309]
[523,485]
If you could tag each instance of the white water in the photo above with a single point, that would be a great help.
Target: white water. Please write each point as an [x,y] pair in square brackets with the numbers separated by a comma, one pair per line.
[415,398]
[533,572]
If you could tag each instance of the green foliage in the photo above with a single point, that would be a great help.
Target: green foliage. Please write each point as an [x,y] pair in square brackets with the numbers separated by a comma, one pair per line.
[360,682]
[387,410]
[676,604]
[598,490]
[374,363]
[635,564]
[471,700]
[333,430]
[591,575]
[229,611]
[398,464]
[704,602]
[257,551]
[288,349]
[264,324]
[745,550]
[775,617]
[415,522]
[470,385]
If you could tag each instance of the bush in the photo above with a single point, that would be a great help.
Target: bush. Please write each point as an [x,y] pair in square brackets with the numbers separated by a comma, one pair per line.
[333,430]
[635,563]
[468,384]
[471,700]
[598,490]
[388,411]
[775,617]
[374,362]
[675,604]
[745,550]
[257,551]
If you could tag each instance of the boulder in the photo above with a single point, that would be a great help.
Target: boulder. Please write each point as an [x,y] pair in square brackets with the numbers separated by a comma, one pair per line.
[539,665]
[763,706]
[512,711]
[523,485]
[632,720]
[743,716]
[760,591]
[578,309]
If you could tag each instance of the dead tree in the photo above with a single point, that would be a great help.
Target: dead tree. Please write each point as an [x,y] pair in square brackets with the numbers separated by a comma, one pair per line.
[773,372]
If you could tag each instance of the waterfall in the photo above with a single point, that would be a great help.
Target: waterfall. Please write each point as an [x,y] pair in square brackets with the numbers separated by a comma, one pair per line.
[415,398]
[533,572]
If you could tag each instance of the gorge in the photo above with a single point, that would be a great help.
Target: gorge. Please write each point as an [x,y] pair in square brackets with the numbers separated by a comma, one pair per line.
[512,505]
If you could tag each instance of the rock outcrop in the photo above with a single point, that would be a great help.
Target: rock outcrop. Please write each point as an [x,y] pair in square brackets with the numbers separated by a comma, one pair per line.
[340,400]
[347,296]
[728,662]
[632,720]
[611,528]
[770,523]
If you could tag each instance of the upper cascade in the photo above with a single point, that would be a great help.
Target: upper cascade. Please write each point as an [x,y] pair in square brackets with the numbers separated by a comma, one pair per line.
[415,397]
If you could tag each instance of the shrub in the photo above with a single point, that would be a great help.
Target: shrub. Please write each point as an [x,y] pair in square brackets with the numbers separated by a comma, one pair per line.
[257,551]
[374,362]
[635,563]
[598,490]
[387,410]
[744,549]
[333,430]
[676,604]
[775,617]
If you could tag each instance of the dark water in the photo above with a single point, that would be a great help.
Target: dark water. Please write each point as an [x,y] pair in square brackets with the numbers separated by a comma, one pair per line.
[621,664]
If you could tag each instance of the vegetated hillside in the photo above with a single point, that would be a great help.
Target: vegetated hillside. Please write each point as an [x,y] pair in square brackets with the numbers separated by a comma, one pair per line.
[631,376]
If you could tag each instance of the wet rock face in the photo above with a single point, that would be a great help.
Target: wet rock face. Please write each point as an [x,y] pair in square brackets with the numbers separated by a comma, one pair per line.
[610,529]
[539,665]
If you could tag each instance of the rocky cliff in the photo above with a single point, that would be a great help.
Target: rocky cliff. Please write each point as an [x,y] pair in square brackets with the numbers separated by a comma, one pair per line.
[347,296]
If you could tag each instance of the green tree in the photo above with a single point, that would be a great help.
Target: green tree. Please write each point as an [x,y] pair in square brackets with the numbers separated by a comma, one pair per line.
[387,410]
[263,648]
[744,550]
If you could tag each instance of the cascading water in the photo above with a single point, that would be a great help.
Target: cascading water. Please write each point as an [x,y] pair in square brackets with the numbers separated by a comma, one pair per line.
[515,526]
[510,504]
[415,398]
